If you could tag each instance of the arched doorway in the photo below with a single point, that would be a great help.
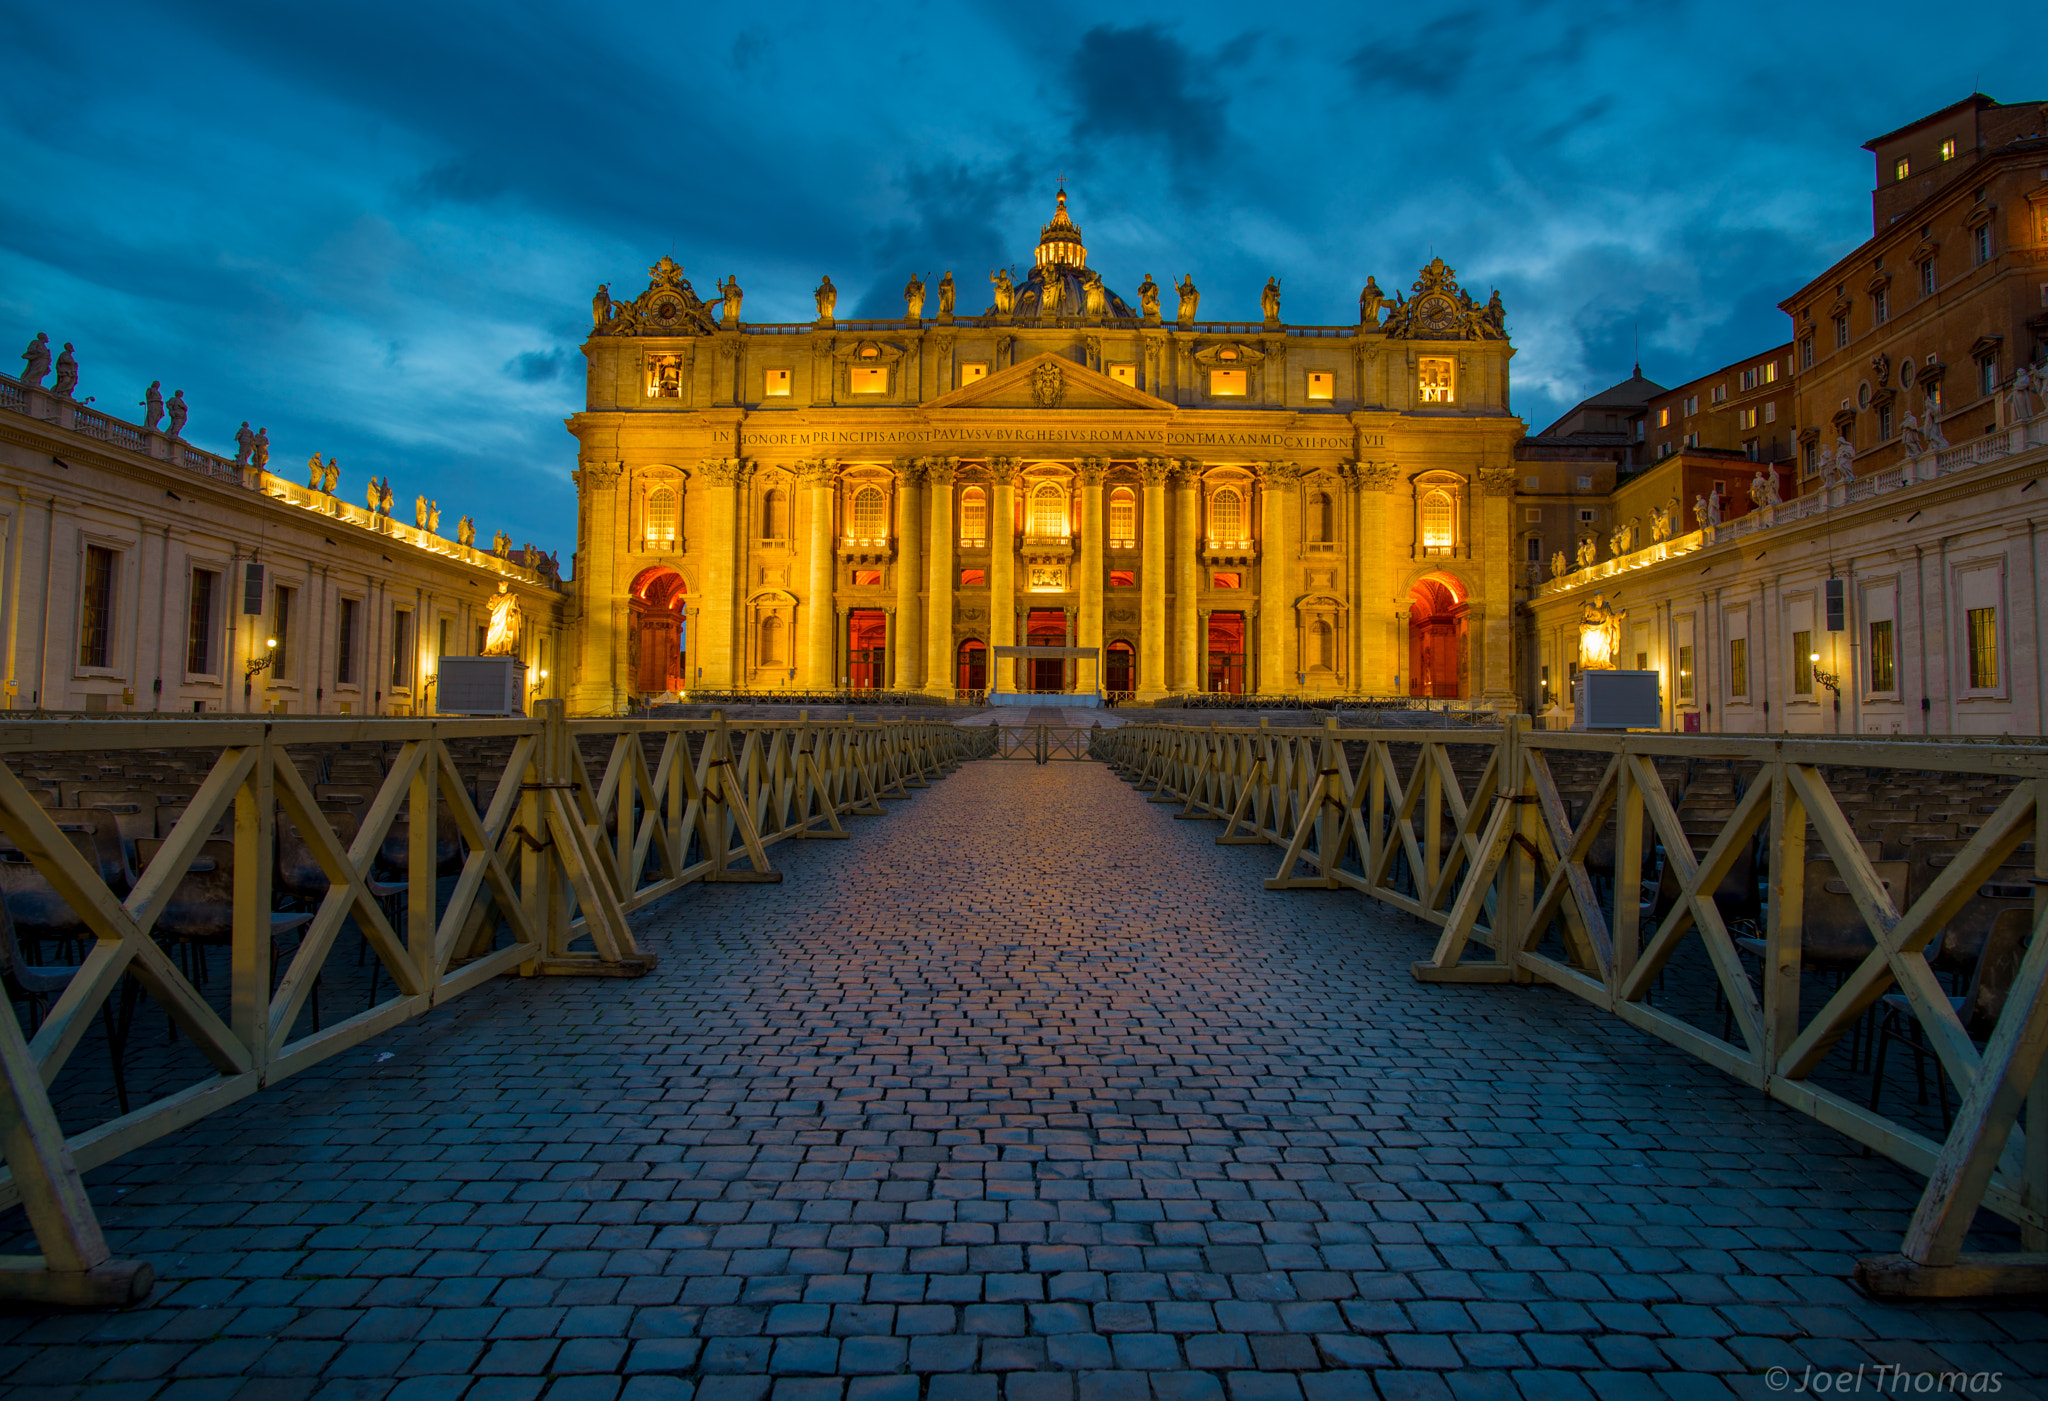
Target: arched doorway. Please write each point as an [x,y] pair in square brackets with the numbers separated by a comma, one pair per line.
[1437,638]
[1226,653]
[973,665]
[659,642]
[867,649]
[1120,675]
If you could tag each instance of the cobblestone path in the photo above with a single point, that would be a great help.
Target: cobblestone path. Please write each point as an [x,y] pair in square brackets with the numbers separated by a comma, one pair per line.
[1027,1091]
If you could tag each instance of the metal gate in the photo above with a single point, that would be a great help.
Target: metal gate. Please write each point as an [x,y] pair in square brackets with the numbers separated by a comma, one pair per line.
[1041,744]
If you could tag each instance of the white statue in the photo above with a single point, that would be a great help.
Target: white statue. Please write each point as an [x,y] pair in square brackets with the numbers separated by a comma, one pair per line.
[2022,400]
[1937,441]
[1707,510]
[1845,461]
[153,405]
[245,443]
[1660,523]
[1910,437]
[177,410]
[503,633]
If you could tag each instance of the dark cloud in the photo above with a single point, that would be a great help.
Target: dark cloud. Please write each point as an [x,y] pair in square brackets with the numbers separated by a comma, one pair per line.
[1143,84]
[537,366]
[1431,62]
[955,216]
[459,182]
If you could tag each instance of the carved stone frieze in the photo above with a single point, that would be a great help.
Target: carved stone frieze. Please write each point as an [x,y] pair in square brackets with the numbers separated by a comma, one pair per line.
[600,476]
[1497,481]
[1376,476]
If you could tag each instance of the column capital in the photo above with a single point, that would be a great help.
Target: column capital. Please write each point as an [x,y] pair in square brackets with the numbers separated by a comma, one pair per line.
[910,471]
[1002,470]
[1497,481]
[726,471]
[1092,469]
[939,470]
[1278,473]
[1375,476]
[1155,470]
[600,476]
[1187,474]
[817,472]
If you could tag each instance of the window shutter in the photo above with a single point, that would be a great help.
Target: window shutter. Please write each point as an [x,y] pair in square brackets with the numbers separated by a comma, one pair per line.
[252,590]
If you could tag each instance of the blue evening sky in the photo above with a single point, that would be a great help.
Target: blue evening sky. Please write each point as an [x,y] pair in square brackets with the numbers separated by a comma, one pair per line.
[375,228]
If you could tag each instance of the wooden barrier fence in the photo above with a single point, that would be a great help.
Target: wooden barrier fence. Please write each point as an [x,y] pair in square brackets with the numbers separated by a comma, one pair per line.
[1469,831]
[537,877]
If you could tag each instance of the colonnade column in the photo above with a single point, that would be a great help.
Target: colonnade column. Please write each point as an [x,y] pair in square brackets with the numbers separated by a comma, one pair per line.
[939,675]
[1278,536]
[601,647]
[1187,514]
[906,654]
[1152,581]
[1002,569]
[721,572]
[1090,565]
[817,668]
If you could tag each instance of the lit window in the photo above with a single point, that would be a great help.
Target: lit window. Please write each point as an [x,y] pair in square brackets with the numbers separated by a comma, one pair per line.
[1123,578]
[973,579]
[867,578]
[661,517]
[1983,632]
[868,512]
[1802,663]
[1433,376]
[868,381]
[1124,374]
[1322,385]
[1226,581]
[1738,667]
[1901,168]
[1746,418]
[1226,517]
[1948,149]
[1123,518]
[1685,673]
[1436,523]
[1771,373]
[1227,384]
[1664,418]
[777,384]
[1881,655]
[1048,512]
[973,516]
[972,370]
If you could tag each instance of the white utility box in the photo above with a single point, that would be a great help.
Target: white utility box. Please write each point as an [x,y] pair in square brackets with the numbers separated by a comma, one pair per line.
[481,686]
[1617,700]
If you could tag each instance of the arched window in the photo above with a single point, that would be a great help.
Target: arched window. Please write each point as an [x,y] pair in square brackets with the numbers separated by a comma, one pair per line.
[770,651]
[1320,518]
[1048,512]
[868,510]
[774,515]
[1123,517]
[661,517]
[973,515]
[1226,517]
[1437,536]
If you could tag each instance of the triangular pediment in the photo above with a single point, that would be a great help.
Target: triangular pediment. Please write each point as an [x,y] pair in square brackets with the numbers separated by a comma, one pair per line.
[1029,384]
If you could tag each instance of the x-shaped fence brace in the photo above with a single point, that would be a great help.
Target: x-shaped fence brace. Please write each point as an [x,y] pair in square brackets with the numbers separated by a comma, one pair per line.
[1498,865]
[553,859]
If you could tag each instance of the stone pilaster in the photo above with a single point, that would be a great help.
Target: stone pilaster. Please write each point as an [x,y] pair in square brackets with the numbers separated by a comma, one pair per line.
[816,671]
[1492,676]
[1380,658]
[1152,580]
[602,654]
[1280,536]
[939,673]
[1091,563]
[715,649]
[1187,575]
[1002,565]
[907,654]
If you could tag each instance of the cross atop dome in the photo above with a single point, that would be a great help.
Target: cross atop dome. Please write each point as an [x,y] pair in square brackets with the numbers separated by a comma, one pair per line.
[1060,240]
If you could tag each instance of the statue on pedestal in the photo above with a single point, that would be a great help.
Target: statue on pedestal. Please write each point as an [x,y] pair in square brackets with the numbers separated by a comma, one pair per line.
[332,477]
[373,495]
[1600,632]
[1707,510]
[1148,298]
[1589,551]
[465,531]
[314,474]
[1094,299]
[2022,397]
[1190,299]
[729,292]
[260,456]
[245,443]
[153,405]
[177,411]
[1845,461]
[946,296]
[433,518]
[1660,522]
[385,499]
[913,299]
[36,361]
[1910,437]
[1051,289]
[601,305]
[1937,441]
[1370,299]
[419,512]
[1269,301]
[1559,565]
[503,633]
[67,373]
[1005,292]
[828,299]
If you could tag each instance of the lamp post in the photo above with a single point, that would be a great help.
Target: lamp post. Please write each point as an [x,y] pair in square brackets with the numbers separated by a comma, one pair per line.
[256,664]
[1830,680]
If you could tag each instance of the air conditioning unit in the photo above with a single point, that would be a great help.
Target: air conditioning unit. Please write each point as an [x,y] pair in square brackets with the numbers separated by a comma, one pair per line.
[1617,700]
[481,686]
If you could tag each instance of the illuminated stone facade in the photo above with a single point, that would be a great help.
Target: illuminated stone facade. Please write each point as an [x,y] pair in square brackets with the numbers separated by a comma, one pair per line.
[1253,507]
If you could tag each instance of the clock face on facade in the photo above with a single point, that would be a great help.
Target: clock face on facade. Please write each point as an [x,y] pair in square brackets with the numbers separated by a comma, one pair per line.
[1438,313]
[667,309]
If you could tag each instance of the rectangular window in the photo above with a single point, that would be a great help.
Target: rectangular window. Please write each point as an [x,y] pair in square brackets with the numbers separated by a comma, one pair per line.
[1585,517]
[867,578]
[1745,418]
[1987,375]
[1535,549]
[96,608]
[281,629]
[345,643]
[1685,673]
[1227,384]
[1884,422]
[973,579]
[1434,379]
[1901,168]
[1123,578]
[972,370]
[199,623]
[1881,656]
[1692,405]
[1802,663]
[1738,667]
[1771,412]
[1982,626]
[1881,305]
[777,384]
[1720,395]
[1664,417]
[1748,380]
[1841,330]
[1806,352]
[1926,277]
[1771,372]
[1226,581]
[401,649]
[1980,244]
[1322,385]
[1750,449]
[1124,374]
[871,380]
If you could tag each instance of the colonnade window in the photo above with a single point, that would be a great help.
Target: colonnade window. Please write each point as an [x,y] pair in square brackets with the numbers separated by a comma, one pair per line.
[661,517]
[1226,516]
[1437,533]
[868,512]
[1123,518]
[1048,511]
[974,515]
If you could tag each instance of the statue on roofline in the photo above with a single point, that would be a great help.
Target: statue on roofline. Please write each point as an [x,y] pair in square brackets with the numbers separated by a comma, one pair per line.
[1190,299]
[314,474]
[946,296]
[1148,298]
[260,457]
[1269,301]
[177,410]
[36,360]
[245,443]
[153,405]
[601,305]
[1559,565]
[67,373]
[1005,292]
[332,476]
[730,297]
[827,298]
[913,299]
[1370,300]
[1094,298]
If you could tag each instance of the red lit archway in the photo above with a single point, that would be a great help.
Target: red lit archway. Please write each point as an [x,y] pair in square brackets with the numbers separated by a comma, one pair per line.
[1226,653]
[867,649]
[659,643]
[973,665]
[1437,640]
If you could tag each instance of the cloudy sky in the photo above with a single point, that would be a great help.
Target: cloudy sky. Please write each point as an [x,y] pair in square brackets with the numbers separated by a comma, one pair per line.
[375,228]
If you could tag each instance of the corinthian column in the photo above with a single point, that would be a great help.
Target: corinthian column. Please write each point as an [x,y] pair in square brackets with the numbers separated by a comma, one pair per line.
[816,668]
[908,643]
[938,672]
[1186,574]
[601,586]
[1381,659]
[1277,543]
[1002,566]
[1090,565]
[1152,582]
[714,649]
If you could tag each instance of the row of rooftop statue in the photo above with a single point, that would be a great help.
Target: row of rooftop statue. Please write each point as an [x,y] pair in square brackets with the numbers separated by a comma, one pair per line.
[252,449]
[670,305]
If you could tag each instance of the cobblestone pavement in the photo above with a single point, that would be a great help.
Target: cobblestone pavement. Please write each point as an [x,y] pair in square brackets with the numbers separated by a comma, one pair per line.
[1027,1091]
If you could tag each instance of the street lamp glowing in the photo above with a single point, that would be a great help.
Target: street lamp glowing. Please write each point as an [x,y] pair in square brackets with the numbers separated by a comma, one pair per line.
[271,643]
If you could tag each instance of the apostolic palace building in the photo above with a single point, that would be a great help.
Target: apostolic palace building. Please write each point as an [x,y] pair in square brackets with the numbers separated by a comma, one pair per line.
[1148,503]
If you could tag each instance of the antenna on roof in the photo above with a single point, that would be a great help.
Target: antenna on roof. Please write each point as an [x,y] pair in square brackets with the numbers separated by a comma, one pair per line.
[1639,350]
